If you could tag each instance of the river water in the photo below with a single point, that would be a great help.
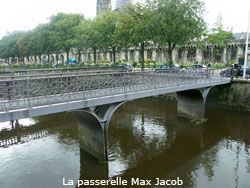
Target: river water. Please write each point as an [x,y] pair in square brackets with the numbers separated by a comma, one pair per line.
[146,140]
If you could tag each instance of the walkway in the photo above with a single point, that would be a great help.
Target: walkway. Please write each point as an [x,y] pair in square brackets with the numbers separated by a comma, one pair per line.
[23,97]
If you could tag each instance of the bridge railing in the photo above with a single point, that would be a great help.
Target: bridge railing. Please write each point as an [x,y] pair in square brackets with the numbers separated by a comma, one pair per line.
[26,93]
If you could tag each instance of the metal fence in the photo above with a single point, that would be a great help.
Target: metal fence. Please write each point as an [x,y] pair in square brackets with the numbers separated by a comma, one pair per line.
[23,93]
[25,72]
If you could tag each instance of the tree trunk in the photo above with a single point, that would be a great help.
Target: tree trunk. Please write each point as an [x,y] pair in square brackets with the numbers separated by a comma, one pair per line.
[40,59]
[48,57]
[67,56]
[113,53]
[170,58]
[126,54]
[111,56]
[94,55]
[142,56]
[170,50]
[79,55]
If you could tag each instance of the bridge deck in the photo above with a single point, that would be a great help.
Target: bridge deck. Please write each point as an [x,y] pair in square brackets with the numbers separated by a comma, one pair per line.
[29,97]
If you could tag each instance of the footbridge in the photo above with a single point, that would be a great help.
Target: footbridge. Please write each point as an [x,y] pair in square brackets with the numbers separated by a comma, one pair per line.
[94,97]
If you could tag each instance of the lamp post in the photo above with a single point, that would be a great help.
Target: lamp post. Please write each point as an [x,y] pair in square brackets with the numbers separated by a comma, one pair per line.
[246,52]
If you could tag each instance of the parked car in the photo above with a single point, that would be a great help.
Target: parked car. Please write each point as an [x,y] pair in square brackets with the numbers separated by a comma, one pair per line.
[197,66]
[126,66]
[240,72]
[228,72]
[166,67]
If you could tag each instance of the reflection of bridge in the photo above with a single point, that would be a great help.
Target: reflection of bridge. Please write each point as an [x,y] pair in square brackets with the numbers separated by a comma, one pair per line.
[100,95]
[19,134]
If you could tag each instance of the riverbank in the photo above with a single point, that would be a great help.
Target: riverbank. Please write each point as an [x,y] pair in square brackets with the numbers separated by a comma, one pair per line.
[235,95]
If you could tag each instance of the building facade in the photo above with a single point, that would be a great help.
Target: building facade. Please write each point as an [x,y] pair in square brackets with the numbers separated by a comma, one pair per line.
[103,5]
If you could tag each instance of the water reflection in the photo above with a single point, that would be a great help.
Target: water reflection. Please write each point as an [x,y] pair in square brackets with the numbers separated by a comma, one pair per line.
[146,140]
[18,131]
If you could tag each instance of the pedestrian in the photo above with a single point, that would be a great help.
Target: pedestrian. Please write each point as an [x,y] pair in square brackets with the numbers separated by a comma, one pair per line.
[181,64]
[209,65]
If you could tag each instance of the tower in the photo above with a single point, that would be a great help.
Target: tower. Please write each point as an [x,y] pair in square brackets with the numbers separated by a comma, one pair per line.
[102,5]
[120,3]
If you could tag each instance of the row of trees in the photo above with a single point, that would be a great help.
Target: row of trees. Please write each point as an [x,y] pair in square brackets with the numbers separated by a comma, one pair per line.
[167,23]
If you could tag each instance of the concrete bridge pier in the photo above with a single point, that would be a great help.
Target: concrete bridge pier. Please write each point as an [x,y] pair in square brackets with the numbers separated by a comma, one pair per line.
[191,103]
[93,125]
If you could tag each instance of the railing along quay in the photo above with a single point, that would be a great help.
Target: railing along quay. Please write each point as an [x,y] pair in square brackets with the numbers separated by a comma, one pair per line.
[29,76]
[23,72]
[26,93]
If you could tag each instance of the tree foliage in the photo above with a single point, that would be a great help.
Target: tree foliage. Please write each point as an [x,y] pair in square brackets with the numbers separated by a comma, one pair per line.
[107,28]
[23,44]
[164,23]
[8,45]
[63,32]
[177,22]
[134,28]
[91,35]
[217,37]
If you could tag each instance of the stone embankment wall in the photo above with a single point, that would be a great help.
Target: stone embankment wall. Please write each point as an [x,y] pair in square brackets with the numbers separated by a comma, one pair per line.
[235,95]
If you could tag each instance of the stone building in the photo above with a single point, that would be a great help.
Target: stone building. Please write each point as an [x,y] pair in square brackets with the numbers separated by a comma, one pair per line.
[233,51]
[103,5]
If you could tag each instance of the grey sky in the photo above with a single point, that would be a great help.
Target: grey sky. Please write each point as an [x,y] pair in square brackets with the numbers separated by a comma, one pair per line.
[27,14]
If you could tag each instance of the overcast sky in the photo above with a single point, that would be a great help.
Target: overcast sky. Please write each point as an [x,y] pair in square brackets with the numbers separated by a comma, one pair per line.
[27,14]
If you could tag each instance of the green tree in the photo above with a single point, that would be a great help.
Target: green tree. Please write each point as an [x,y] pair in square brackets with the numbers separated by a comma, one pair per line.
[63,32]
[134,28]
[107,28]
[217,36]
[79,42]
[23,44]
[92,35]
[176,22]
[9,47]
[41,41]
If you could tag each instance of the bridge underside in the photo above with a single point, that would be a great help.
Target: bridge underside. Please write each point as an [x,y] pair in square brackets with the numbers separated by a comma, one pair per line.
[93,129]
[191,103]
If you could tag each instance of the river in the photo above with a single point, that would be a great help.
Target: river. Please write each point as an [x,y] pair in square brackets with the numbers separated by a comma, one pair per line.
[146,141]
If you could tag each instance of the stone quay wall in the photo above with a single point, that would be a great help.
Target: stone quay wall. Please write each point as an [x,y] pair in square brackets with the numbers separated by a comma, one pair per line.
[235,95]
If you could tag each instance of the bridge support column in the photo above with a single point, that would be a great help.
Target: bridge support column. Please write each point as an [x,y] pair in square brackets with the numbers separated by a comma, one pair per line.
[93,129]
[191,103]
